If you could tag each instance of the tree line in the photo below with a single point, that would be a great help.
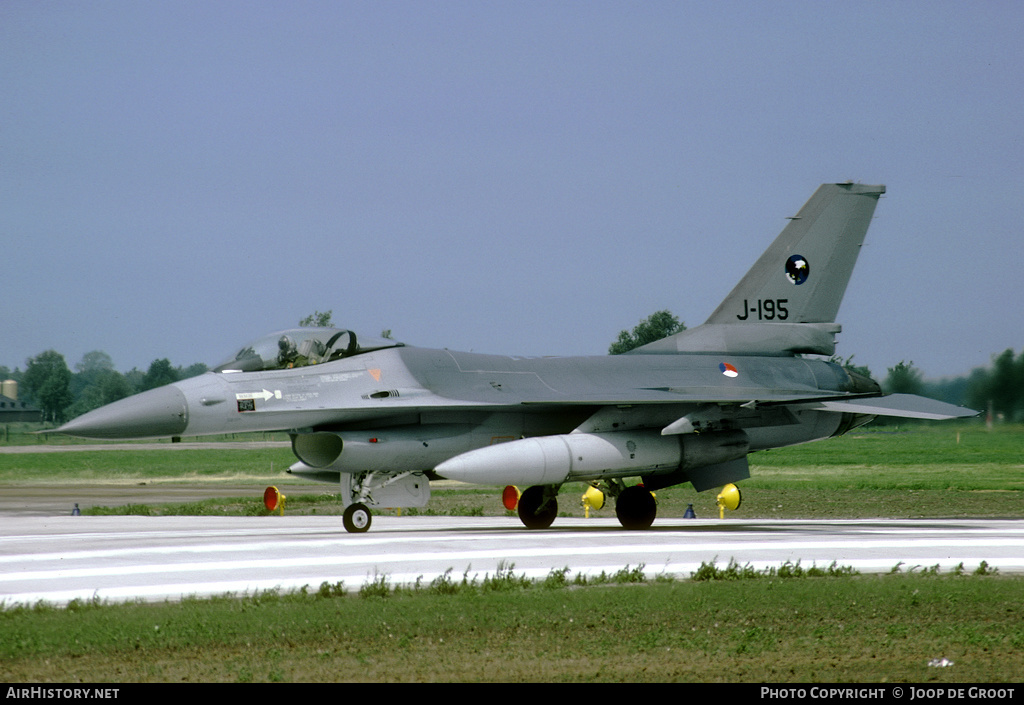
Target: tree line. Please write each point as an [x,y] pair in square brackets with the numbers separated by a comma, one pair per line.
[60,394]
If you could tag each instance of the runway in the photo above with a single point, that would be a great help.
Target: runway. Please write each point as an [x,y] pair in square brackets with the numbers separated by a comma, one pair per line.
[115,559]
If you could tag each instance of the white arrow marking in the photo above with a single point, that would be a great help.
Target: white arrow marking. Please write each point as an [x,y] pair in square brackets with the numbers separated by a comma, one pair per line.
[264,395]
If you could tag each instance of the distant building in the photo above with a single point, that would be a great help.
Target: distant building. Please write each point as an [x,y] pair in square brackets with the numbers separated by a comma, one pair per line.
[14,411]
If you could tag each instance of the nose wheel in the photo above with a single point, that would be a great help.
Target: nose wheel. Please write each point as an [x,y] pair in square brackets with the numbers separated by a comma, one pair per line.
[357,518]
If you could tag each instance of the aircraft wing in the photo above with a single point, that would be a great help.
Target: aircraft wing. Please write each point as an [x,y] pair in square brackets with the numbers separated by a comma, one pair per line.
[711,405]
[908,406]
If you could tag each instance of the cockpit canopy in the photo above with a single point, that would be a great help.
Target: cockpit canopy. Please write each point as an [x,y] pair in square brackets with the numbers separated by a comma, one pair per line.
[299,347]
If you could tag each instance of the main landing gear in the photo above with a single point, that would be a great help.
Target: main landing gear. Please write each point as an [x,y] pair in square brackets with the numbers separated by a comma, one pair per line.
[538,506]
[635,506]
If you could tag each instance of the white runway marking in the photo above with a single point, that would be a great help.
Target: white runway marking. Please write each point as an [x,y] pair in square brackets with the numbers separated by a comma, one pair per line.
[151,558]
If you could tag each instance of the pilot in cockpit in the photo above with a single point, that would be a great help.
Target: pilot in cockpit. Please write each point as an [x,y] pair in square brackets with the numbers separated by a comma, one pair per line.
[309,352]
[300,347]
[287,354]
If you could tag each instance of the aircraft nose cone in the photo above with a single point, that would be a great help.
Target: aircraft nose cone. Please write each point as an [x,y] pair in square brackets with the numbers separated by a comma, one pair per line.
[152,414]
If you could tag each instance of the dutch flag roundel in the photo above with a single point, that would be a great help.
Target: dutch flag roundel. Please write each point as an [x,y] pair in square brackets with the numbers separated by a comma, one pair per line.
[728,370]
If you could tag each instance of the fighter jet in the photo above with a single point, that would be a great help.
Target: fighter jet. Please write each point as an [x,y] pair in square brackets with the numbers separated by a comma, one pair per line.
[382,419]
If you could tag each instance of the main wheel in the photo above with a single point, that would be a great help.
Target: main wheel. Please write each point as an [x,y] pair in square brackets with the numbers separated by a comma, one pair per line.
[357,518]
[636,508]
[531,512]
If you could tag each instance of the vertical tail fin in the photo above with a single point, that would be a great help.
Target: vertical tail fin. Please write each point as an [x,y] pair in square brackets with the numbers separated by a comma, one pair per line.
[788,301]
[808,266]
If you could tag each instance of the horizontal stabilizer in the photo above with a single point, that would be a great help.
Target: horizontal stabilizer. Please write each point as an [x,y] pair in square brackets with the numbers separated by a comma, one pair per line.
[909,406]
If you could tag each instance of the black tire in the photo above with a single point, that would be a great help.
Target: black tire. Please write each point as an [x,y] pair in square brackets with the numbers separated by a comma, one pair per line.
[636,508]
[529,508]
[357,518]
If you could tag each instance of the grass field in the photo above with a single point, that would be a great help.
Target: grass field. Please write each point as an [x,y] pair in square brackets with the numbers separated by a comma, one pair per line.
[828,629]
[839,628]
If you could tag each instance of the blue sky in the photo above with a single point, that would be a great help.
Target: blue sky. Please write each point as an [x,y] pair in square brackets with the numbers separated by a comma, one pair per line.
[526,178]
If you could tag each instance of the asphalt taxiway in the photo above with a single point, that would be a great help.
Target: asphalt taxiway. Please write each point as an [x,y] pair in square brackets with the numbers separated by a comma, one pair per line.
[59,559]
